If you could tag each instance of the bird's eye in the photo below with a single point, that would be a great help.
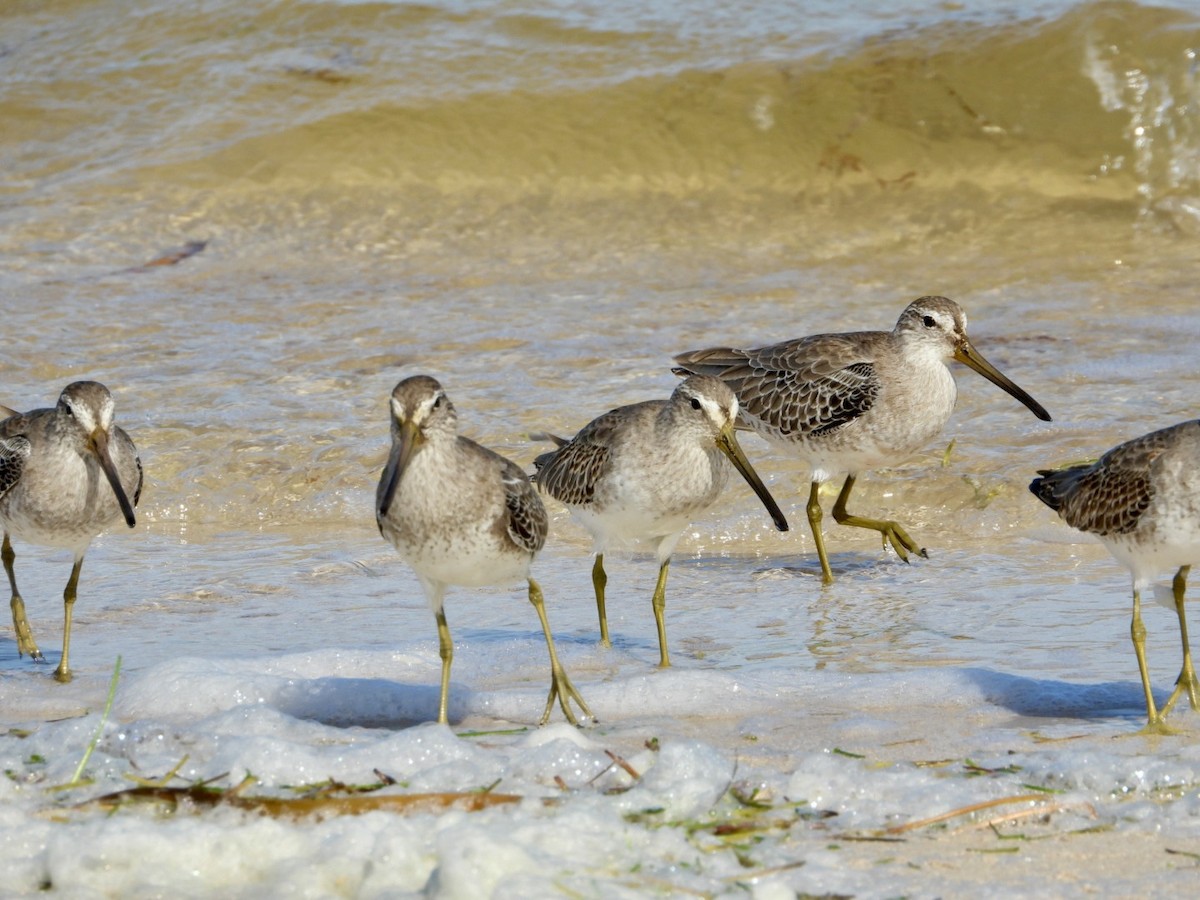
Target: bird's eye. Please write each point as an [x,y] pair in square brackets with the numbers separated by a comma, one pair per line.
[695,403]
[437,404]
[929,321]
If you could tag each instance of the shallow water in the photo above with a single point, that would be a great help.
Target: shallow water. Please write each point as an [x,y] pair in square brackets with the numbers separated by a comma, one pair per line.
[539,207]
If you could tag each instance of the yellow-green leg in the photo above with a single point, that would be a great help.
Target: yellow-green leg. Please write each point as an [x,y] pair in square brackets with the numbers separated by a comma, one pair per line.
[446,651]
[814,523]
[25,641]
[599,582]
[560,685]
[63,672]
[659,602]
[1155,723]
[891,531]
[1187,675]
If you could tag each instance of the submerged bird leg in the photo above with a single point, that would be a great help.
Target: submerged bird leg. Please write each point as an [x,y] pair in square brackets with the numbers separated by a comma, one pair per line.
[814,523]
[1187,675]
[891,531]
[659,602]
[446,652]
[599,581]
[63,672]
[1155,723]
[560,685]
[25,641]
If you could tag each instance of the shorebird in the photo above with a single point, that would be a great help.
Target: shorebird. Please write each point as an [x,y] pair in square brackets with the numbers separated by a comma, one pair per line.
[855,401]
[460,514]
[645,471]
[1142,499]
[66,474]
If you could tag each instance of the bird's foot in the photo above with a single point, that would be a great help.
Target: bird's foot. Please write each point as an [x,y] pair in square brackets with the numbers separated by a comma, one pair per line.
[26,645]
[63,676]
[1188,682]
[891,532]
[1157,727]
[562,690]
[900,541]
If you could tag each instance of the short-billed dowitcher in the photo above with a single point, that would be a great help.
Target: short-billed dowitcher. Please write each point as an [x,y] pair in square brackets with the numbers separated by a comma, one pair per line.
[1142,499]
[66,474]
[851,402]
[460,514]
[645,471]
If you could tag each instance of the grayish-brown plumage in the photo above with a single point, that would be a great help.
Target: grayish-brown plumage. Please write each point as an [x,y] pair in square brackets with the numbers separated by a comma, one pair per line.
[460,514]
[1142,499]
[66,474]
[645,471]
[846,403]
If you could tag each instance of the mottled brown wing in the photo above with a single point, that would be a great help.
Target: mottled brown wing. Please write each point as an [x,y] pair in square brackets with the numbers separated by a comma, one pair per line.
[527,521]
[141,474]
[137,492]
[811,386]
[1109,496]
[571,473]
[14,451]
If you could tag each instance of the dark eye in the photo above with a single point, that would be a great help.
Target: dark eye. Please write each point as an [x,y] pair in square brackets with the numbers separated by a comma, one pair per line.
[437,404]
[695,403]
[928,320]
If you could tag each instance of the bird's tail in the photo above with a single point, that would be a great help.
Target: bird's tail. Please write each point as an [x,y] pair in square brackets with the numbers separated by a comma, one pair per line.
[1054,485]
[725,363]
[543,460]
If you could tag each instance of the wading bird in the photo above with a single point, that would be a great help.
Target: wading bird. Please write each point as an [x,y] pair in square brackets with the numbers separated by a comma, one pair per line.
[845,403]
[66,474]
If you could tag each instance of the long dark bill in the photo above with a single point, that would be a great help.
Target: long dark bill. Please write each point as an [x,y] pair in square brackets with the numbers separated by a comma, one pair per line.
[100,443]
[728,444]
[969,356]
[402,451]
